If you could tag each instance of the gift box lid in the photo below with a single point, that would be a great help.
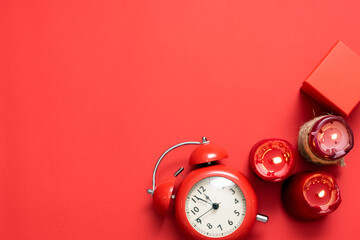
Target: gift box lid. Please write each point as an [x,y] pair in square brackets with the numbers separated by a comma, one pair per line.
[335,82]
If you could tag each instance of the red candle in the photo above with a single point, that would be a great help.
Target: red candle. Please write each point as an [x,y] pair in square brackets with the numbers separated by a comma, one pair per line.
[331,138]
[326,139]
[272,160]
[310,195]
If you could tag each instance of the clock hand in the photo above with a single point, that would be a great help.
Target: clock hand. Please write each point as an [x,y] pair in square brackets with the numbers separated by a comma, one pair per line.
[202,199]
[205,213]
[214,206]
[207,198]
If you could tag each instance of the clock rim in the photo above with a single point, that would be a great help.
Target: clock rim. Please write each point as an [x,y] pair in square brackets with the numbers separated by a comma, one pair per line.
[222,171]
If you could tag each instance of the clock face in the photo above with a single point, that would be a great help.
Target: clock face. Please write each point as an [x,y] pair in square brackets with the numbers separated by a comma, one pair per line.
[215,206]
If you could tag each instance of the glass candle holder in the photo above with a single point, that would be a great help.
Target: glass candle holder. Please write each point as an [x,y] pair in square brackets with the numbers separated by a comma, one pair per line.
[325,140]
[272,160]
[309,196]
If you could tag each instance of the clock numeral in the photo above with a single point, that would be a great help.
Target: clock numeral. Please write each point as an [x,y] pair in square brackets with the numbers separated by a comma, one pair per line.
[198,220]
[230,222]
[201,189]
[196,209]
[209,226]
[236,212]
[219,226]
[232,190]
[236,201]
[193,200]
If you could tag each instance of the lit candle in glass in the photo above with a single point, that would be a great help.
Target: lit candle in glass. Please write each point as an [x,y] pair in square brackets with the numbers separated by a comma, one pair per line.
[272,160]
[325,140]
[310,195]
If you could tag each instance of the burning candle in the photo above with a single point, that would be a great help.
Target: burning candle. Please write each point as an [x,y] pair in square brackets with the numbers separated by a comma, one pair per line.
[310,195]
[272,160]
[325,140]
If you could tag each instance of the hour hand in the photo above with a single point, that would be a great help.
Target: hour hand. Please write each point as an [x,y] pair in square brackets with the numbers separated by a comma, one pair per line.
[202,200]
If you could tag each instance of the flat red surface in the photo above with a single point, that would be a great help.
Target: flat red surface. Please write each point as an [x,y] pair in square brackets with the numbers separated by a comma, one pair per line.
[92,92]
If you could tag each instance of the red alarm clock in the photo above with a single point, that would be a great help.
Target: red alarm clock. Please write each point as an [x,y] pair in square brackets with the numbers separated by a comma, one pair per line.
[213,201]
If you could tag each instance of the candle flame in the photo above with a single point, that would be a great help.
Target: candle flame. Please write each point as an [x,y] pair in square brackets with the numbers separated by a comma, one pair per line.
[321,194]
[334,136]
[277,160]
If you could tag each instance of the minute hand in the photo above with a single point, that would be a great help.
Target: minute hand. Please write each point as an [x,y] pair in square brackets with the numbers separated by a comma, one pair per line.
[202,199]
[208,198]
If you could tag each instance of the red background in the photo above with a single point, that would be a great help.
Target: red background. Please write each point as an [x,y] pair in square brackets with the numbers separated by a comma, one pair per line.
[92,92]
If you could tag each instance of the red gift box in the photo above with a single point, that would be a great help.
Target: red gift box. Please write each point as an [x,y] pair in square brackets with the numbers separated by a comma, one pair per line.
[335,82]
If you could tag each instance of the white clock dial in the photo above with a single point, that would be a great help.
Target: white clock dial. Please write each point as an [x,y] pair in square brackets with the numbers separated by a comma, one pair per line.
[215,206]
